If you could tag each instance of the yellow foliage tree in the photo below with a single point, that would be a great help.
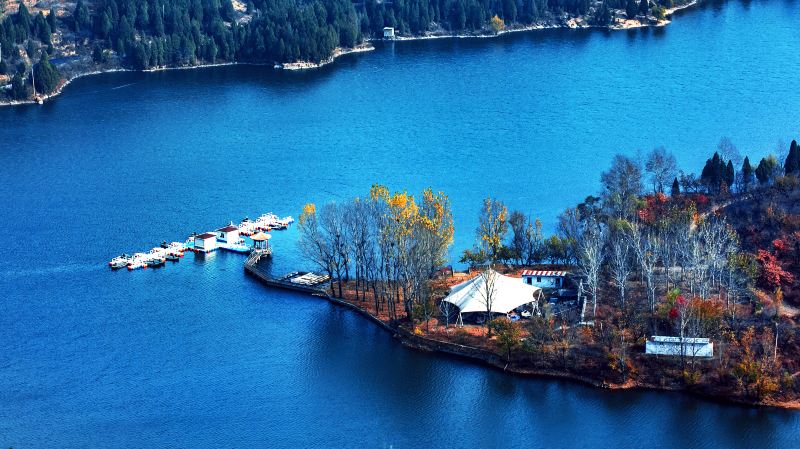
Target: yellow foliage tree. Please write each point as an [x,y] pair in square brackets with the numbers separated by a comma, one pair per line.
[498,24]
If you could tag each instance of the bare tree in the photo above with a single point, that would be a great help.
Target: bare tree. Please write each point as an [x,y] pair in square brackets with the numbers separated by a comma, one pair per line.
[622,184]
[332,223]
[728,151]
[313,243]
[591,255]
[487,292]
[520,241]
[646,247]
[662,168]
[620,263]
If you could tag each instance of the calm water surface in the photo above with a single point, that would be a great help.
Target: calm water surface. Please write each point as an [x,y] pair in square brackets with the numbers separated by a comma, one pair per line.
[198,355]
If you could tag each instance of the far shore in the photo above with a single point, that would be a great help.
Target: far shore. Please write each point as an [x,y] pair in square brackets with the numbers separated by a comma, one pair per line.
[574,23]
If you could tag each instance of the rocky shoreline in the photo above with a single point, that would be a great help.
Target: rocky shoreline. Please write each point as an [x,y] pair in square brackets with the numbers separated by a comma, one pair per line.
[572,23]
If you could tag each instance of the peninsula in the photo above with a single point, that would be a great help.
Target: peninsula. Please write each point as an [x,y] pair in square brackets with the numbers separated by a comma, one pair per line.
[689,284]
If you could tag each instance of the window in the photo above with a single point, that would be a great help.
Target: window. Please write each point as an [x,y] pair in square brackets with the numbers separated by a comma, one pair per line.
[538,279]
[529,281]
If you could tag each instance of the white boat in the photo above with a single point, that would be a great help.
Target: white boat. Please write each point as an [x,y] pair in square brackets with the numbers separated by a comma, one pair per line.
[119,261]
[139,260]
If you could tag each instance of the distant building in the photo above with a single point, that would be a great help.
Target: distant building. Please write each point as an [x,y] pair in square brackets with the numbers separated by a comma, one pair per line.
[388,32]
[206,242]
[691,347]
[228,234]
[544,279]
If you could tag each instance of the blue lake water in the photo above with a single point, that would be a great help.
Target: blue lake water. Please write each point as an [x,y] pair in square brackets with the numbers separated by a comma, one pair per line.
[195,354]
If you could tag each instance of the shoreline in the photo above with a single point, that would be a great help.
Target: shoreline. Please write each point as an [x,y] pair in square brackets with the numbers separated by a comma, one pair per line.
[491,359]
[366,46]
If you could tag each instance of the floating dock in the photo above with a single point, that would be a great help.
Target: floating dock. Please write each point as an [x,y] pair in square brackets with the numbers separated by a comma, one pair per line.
[228,238]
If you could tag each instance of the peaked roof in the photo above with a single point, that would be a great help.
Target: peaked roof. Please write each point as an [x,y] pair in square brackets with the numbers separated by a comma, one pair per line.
[260,236]
[206,235]
[228,228]
[506,293]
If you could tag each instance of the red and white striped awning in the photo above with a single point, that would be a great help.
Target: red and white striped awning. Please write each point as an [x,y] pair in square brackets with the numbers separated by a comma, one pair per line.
[544,273]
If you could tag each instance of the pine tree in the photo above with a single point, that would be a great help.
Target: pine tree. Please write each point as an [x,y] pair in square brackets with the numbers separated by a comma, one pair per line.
[19,90]
[51,19]
[644,7]
[631,8]
[47,76]
[730,174]
[792,163]
[747,173]
[676,188]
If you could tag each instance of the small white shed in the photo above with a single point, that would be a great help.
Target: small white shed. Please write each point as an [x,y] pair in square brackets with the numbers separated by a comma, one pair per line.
[388,32]
[689,347]
[228,234]
[205,242]
[544,278]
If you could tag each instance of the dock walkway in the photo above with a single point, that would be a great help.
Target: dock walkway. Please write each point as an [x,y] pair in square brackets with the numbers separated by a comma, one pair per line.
[285,282]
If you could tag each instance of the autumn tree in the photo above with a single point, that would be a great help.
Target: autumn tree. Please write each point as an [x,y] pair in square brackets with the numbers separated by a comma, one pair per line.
[509,335]
[492,227]
[498,24]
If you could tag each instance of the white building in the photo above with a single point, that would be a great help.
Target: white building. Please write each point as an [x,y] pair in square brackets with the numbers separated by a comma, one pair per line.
[206,242]
[229,234]
[388,32]
[691,347]
[544,279]
[505,294]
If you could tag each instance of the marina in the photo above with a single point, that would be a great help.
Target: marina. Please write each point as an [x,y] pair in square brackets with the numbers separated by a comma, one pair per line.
[247,237]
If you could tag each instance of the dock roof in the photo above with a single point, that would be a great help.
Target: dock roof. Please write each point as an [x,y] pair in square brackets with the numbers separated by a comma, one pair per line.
[206,235]
[228,228]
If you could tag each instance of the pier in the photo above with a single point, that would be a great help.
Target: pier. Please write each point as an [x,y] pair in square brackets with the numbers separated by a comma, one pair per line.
[299,281]
[229,238]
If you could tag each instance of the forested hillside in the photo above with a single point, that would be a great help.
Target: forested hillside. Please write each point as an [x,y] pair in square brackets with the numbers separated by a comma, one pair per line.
[142,34]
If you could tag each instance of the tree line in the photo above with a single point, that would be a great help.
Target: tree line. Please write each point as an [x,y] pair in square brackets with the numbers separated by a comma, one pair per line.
[154,33]
[385,246]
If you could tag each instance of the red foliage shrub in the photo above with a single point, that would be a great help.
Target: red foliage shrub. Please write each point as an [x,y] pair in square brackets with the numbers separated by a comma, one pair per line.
[772,273]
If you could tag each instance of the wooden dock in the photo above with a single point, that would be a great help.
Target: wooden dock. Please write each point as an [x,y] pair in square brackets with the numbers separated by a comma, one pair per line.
[251,268]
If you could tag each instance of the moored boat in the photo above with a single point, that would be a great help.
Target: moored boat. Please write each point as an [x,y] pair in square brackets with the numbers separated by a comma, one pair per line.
[119,261]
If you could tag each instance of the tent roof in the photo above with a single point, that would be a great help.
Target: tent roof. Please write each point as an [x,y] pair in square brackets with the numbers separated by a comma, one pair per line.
[508,293]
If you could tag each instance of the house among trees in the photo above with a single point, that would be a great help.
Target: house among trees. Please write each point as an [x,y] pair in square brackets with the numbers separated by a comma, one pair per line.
[388,32]
[545,279]
[691,347]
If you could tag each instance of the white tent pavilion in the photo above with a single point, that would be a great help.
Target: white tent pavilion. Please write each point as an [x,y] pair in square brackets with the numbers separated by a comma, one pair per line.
[507,294]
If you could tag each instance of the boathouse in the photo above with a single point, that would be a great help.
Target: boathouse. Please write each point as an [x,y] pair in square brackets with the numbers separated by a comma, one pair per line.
[544,279]
[229,234]
[205,242]
[388,32]
[690,347]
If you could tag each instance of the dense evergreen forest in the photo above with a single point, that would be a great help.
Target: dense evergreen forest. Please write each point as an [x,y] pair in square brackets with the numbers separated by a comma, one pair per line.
[141,34]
